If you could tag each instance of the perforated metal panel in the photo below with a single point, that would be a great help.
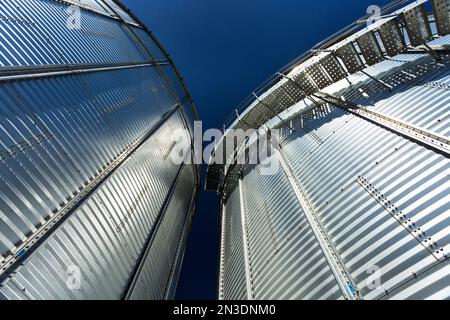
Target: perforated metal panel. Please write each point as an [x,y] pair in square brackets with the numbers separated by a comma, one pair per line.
[320,78]
[292,91]
[41,36]
[247,122]
[370,48]
[260,114]
[305,82]
[160,256]
[350,57]
[86,135]
[93,4]
[441,11]
[283,99]
[381,196]
[392,38]
[278,100]
[333,67]
[418,26]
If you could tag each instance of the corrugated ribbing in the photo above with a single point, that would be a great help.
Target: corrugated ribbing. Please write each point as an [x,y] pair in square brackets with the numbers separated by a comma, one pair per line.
[286,260]
[234,278]
[39,32]
[58,134]
[153,279]
[105,236]
[367,159]
[384,202]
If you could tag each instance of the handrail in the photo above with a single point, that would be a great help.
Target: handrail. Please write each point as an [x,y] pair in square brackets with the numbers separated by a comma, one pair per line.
[326,43]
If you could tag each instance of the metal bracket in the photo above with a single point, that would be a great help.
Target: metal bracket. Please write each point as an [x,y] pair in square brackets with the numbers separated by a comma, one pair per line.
[433,53]
[384,84]
[409,224]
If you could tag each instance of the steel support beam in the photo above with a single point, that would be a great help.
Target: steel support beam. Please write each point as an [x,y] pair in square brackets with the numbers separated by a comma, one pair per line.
[424,137]
[147,50]
[289,95]
[245,242]
[45,71]
[384,84]
[129,288]
[342,276]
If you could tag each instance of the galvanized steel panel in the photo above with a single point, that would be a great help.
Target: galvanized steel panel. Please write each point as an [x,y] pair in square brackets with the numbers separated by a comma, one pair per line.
[233,274]
[149,44]
[306,85]
[160,259]
[105,236]
[293,91]
[333,67]
[124,15]
[381,196]
[62,133]
[286,261]
[35,32]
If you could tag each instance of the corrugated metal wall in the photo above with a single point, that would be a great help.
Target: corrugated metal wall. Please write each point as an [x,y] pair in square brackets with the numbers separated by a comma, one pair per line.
[35,32]
[355,180]
[383,199]
[233,260]
[86,178]
[286,261]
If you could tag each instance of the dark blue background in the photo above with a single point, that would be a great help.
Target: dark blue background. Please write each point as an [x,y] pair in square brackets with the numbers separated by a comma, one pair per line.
[225,49]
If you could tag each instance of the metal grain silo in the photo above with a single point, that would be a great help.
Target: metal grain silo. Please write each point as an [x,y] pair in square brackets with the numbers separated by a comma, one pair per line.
[91,205]
[360,205]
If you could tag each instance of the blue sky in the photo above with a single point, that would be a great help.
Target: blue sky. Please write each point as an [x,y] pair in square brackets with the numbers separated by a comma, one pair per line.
[225,49]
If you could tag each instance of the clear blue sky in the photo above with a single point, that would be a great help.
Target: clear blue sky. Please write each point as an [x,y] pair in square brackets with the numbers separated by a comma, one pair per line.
[225,49]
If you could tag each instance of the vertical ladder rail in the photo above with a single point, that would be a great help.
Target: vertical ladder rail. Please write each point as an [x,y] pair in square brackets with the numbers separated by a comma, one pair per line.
[245,238]
[342,276]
